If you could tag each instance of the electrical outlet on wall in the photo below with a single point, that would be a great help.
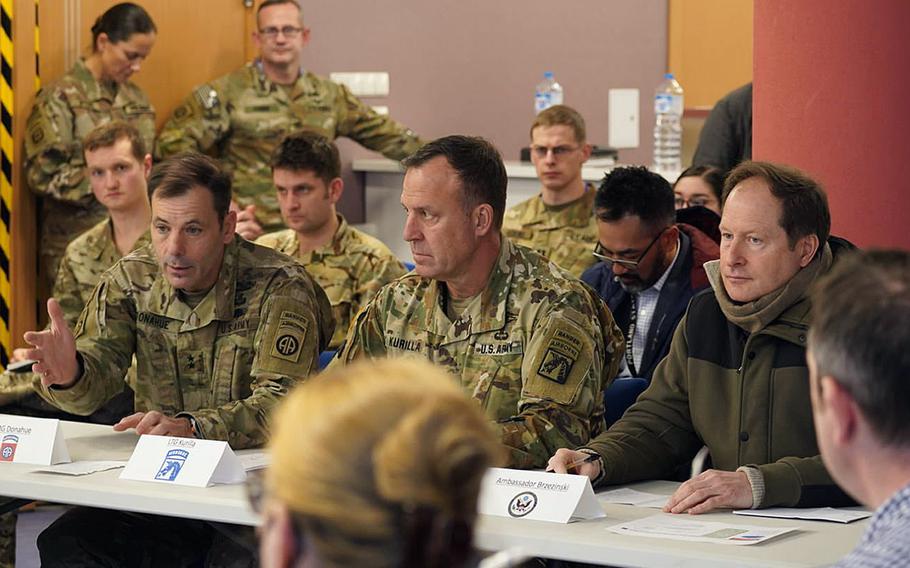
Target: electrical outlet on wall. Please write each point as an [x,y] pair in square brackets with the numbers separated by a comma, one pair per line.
[364,84]
[623,118]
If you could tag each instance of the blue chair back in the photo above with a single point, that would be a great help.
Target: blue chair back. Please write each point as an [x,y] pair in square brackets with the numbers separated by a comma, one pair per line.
[620,395]
[325,358]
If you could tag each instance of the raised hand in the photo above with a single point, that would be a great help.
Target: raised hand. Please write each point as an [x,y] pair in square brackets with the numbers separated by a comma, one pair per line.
[54,350]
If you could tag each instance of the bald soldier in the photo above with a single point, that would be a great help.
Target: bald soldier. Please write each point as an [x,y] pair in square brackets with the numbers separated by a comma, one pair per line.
[531,344]
[242,116]
[221,329]
[559,222]
[348,264]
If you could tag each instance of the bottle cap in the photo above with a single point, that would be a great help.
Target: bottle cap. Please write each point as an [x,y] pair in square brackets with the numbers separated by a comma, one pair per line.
[668,76]
[547,74]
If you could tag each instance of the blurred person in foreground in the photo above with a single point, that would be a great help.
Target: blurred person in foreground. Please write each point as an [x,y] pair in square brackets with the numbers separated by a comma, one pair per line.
[858,370]
[395,454]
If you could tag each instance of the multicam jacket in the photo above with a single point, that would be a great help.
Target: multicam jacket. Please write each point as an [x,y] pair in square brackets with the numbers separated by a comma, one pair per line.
[350,269]
[64,113]
[535,349]
[243,116]
[566,235]
[225,363]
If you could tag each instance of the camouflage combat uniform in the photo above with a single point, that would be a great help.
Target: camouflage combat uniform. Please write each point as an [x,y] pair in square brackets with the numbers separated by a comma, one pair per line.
[536,348]
[225,363]
[64,113]
[79,271]
[243,116]
[566,234]
[350,269]
[89,255]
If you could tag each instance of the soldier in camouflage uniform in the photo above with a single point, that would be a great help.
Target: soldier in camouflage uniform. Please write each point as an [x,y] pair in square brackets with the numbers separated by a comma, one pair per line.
[350,265]
[95,91]
[243,116]
[558,223]
[221,329]
[531,344]
[118,166]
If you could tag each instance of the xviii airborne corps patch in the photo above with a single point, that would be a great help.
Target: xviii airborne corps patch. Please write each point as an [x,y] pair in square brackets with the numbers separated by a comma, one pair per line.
[562,352]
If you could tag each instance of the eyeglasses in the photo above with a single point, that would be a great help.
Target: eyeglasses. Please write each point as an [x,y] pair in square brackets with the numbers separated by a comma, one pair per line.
[697,201]
[272,32]
[558,151]
[627,264]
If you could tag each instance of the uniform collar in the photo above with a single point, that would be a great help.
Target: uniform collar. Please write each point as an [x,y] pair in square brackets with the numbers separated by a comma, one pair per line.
[568,216]
[95,89]
[101,243]
[334,247]
[487,314]
[265,85]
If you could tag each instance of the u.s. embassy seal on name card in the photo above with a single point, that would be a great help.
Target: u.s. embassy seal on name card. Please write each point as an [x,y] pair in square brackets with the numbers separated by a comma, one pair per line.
[183,461]
[32,440]
[538,496]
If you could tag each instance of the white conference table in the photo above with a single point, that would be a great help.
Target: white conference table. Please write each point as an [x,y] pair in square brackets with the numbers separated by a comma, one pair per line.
[105,489]
[816,543]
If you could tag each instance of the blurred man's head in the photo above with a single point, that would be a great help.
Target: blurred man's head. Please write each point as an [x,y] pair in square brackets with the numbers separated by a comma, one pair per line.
[860,369]
[635,226]
[559,148]
[306,171]
[775,221]
[280,36]
[117,165]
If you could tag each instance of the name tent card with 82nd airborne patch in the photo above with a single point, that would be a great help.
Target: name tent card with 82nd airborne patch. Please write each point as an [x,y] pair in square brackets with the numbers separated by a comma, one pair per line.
[183,461]
[538,496]
[36,441]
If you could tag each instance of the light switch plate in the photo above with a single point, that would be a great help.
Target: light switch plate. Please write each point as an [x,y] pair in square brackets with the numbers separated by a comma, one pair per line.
[623,118]
[364,84]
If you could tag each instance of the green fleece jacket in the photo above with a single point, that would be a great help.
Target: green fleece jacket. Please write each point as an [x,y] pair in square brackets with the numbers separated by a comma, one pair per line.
[743,394]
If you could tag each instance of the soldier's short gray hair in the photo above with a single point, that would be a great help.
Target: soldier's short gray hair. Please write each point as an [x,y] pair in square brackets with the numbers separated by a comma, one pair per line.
[859,337]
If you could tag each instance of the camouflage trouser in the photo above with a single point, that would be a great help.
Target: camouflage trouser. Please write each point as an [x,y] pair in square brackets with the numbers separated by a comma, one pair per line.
[7,538]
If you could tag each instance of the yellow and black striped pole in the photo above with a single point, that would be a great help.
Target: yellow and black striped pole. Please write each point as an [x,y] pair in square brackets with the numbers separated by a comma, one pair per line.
[6,170]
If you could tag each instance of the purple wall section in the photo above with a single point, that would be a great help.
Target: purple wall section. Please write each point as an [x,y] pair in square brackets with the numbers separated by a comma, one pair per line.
[470,66]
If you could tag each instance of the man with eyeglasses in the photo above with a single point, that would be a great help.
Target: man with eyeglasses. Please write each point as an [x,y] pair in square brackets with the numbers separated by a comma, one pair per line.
[650,266]
[735,379]
[242,116]
[559,222]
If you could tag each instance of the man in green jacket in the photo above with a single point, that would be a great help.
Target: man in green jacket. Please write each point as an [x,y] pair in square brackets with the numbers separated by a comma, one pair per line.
[735,379]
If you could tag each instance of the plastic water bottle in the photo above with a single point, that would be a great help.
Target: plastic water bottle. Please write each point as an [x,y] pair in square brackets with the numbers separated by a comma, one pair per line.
[547,93]
[668,111]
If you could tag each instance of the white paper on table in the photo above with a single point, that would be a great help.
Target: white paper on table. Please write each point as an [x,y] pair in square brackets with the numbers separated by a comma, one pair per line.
[820,514]
[254,459]
[82,467]
[680,528]
[626,496]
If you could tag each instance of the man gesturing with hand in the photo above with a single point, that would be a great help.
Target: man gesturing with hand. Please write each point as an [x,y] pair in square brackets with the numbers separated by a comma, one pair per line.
[220,328]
